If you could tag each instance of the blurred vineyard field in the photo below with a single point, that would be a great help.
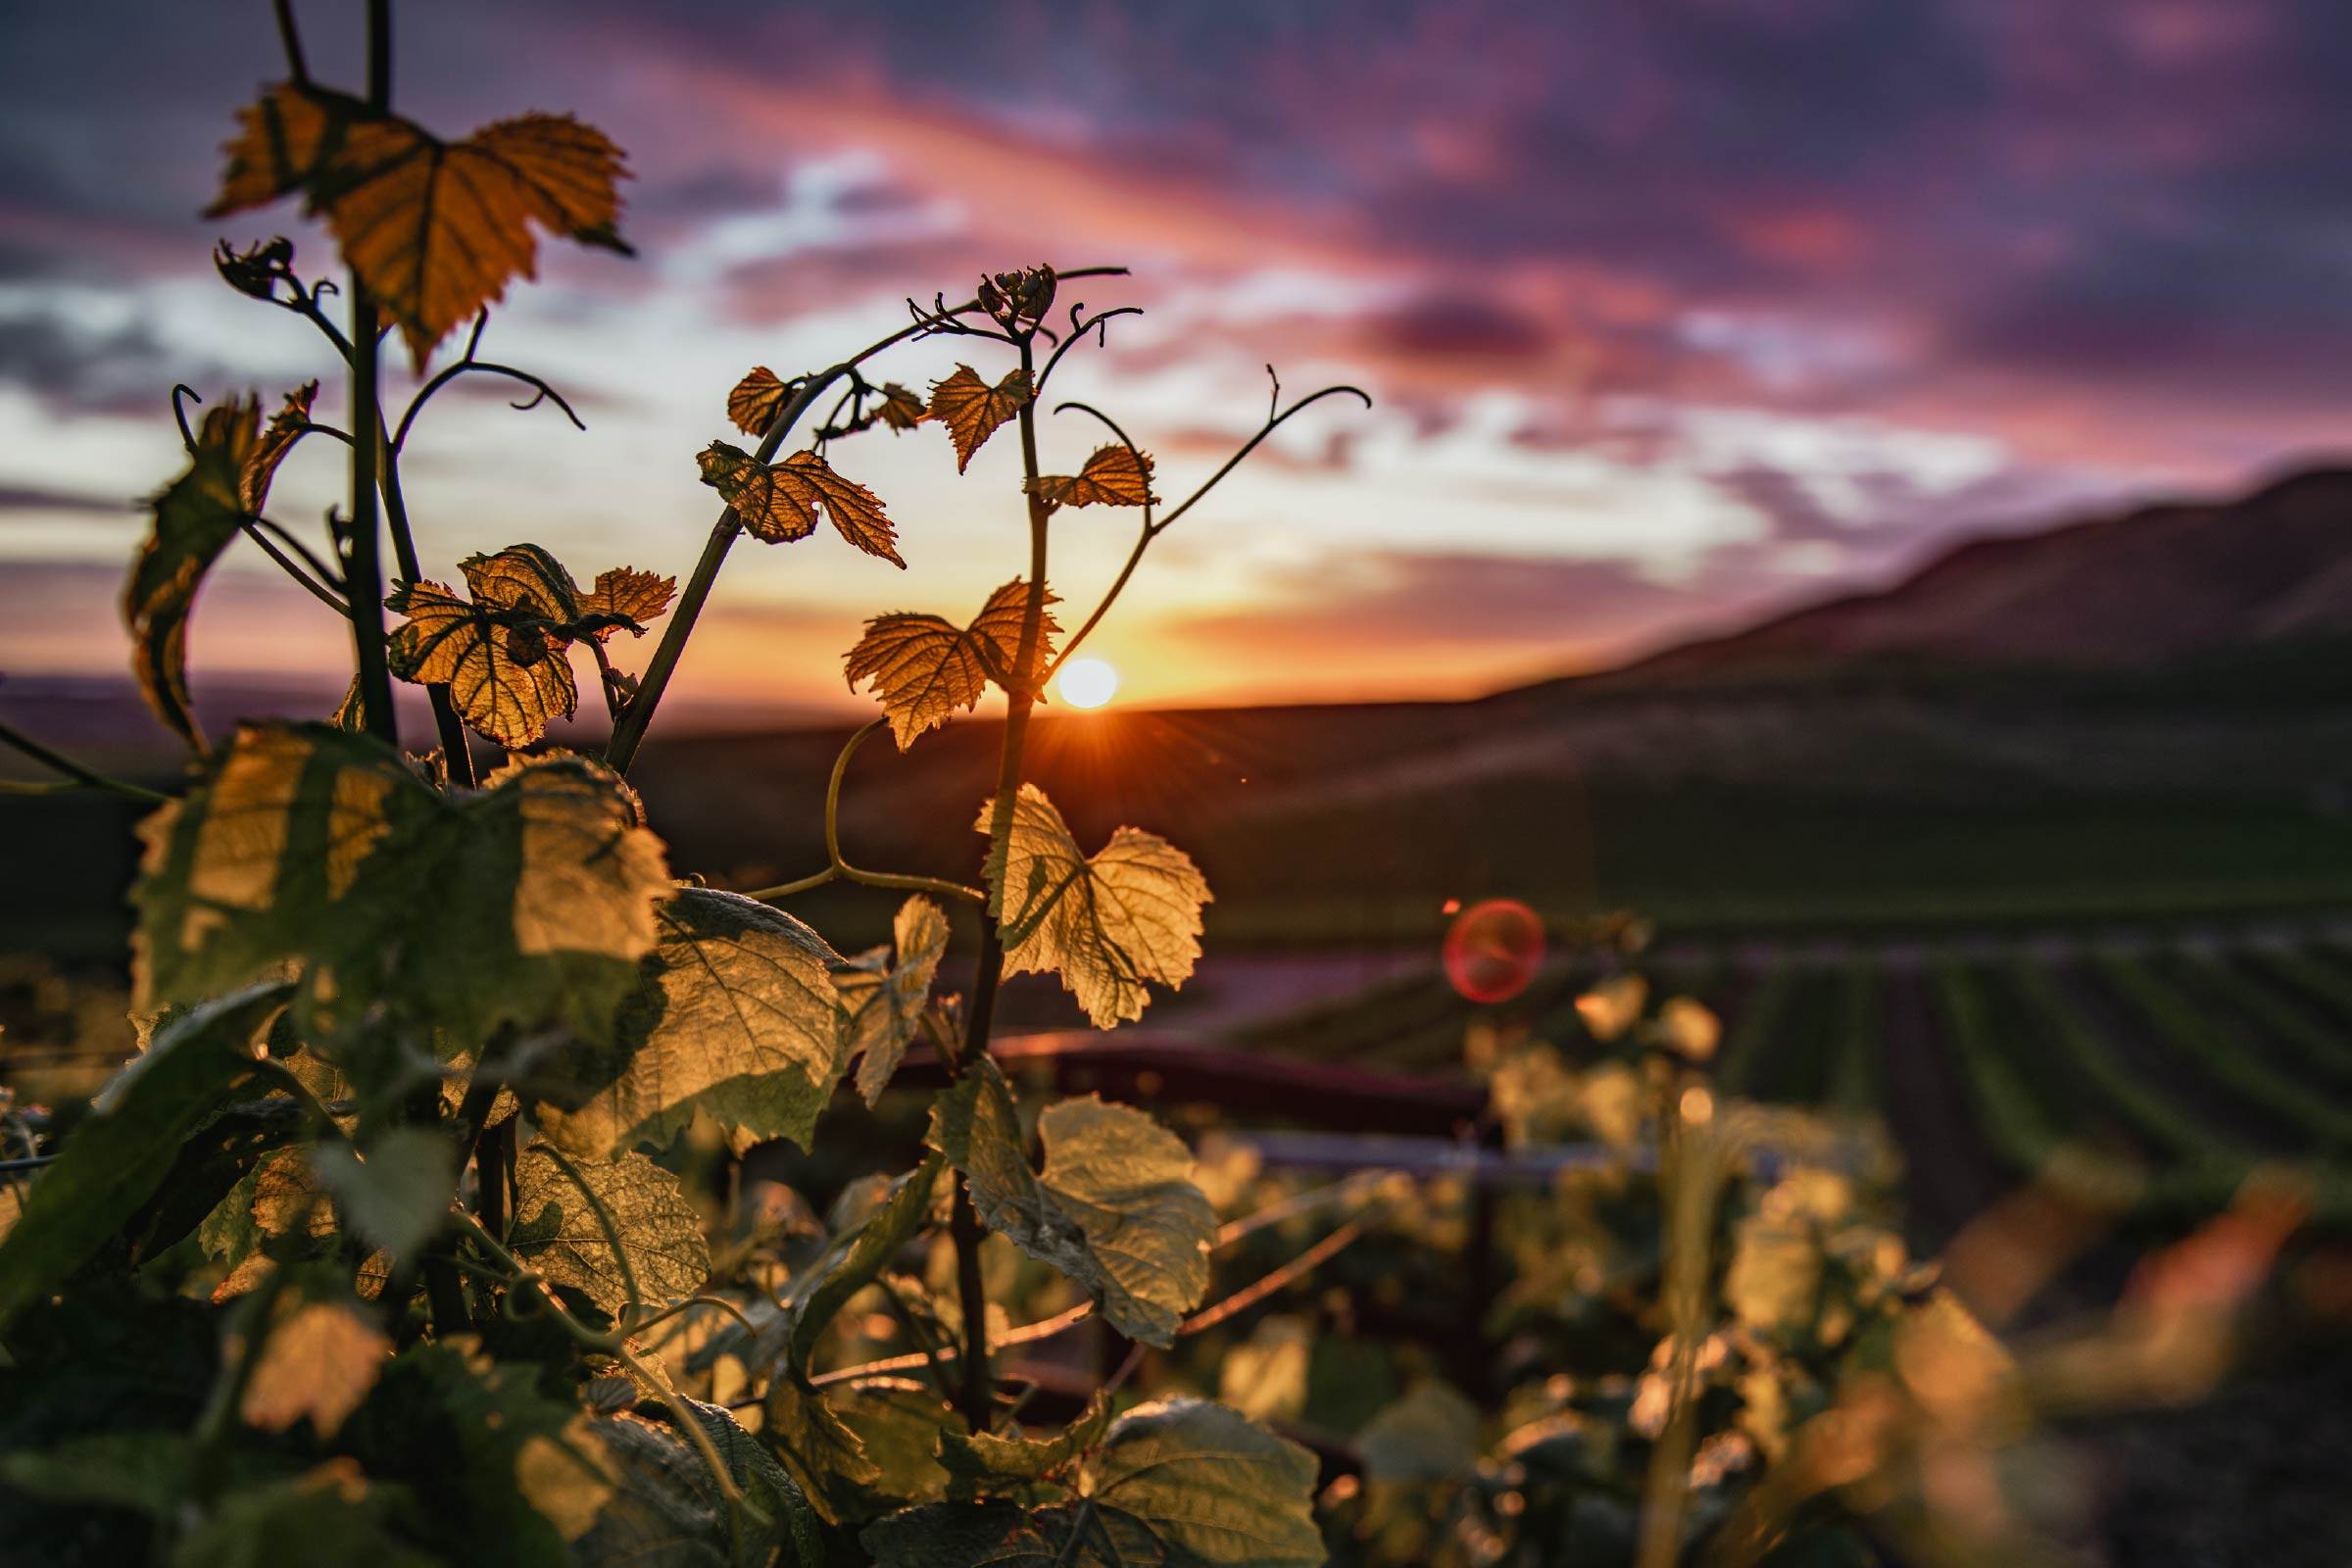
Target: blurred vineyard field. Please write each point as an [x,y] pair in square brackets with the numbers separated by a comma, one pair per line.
[2166,1069]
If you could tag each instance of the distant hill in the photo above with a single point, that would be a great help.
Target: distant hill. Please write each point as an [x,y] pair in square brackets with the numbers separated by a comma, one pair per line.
[2159,585]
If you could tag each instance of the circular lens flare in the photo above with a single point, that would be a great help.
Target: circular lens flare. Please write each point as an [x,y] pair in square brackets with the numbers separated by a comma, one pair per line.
[1087,682]
[1494,949]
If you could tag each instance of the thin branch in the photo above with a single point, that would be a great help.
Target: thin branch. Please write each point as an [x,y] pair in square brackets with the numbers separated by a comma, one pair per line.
[75,772]
[622,750]
[450,372]
[1272,424]
[1306,1263]
[838,865]
[187,436]
[319,568]
[316,590]
[290,36]
[1095,324]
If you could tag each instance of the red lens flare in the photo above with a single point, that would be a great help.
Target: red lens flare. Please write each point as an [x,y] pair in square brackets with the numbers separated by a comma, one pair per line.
[1494,949]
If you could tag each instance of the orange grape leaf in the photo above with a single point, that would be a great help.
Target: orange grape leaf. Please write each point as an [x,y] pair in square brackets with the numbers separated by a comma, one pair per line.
[924,667]
[780,502]
[757,401]
[433,230]
[898,409]
[1107,923]
[319,1362]
[502,655]
[195,518]
[277,438]
[631,596]
[972,410]
[1116,475]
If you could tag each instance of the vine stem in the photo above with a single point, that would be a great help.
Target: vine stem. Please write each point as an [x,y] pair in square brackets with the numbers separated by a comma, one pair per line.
[362,567]
[839,866]
[622,750]
[75,772]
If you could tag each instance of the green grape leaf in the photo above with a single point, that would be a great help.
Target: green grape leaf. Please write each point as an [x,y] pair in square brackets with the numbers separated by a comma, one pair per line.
[501,1460]
[974,411]
[862,1450]
[780,502]
[1115,1208]
[853,1260]
[1107,924]
[1430,1434]
[620,1231]
[1177,1483]
[666,1508]
[757,401]
[195,518]
[395,1194]
[197,1062]
[883,1002]
[988,1464]
[434,230]
[528,902]
[333,1514]
[926,668]
[1116,475]
[736,1017]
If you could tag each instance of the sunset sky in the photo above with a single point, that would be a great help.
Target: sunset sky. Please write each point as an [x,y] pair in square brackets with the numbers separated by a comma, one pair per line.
[1673,309]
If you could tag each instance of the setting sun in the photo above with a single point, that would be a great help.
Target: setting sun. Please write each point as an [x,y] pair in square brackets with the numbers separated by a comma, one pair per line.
[1087,682]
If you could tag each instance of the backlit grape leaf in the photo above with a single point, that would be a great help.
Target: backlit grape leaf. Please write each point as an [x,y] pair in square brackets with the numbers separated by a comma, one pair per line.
[616,1231]
[779,502]
[638,598]
[924,668]
[433,230]
[850,1263]
[195,518]
[972,410]
[988,1464]
[736,1017]
[899,408]
[883,1002]
[197,1062]
[319,1362]
[1108,924]
[509,682]
[1115,1208]
[757,401]
[1178,1483]
[395,1192]
[285,427]
[527,902]
[1116,475]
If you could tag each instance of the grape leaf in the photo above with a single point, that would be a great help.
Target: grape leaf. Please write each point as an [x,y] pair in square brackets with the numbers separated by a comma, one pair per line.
[780,502]
[988,1464]
[924,668]
[1178,1484]
[619,1232]
[117,1158]
[330,1514]
[1116,475]
[757,401]
[666,1508]
[1107,925]
[1115,1208]
[884,1002]
[899,408]
[319,1360]
[527,902]
[433,230]
[736,1017]
[395,1192]
[195,518]
[851,1261]
[629,596]
[972,410]
[505,655]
